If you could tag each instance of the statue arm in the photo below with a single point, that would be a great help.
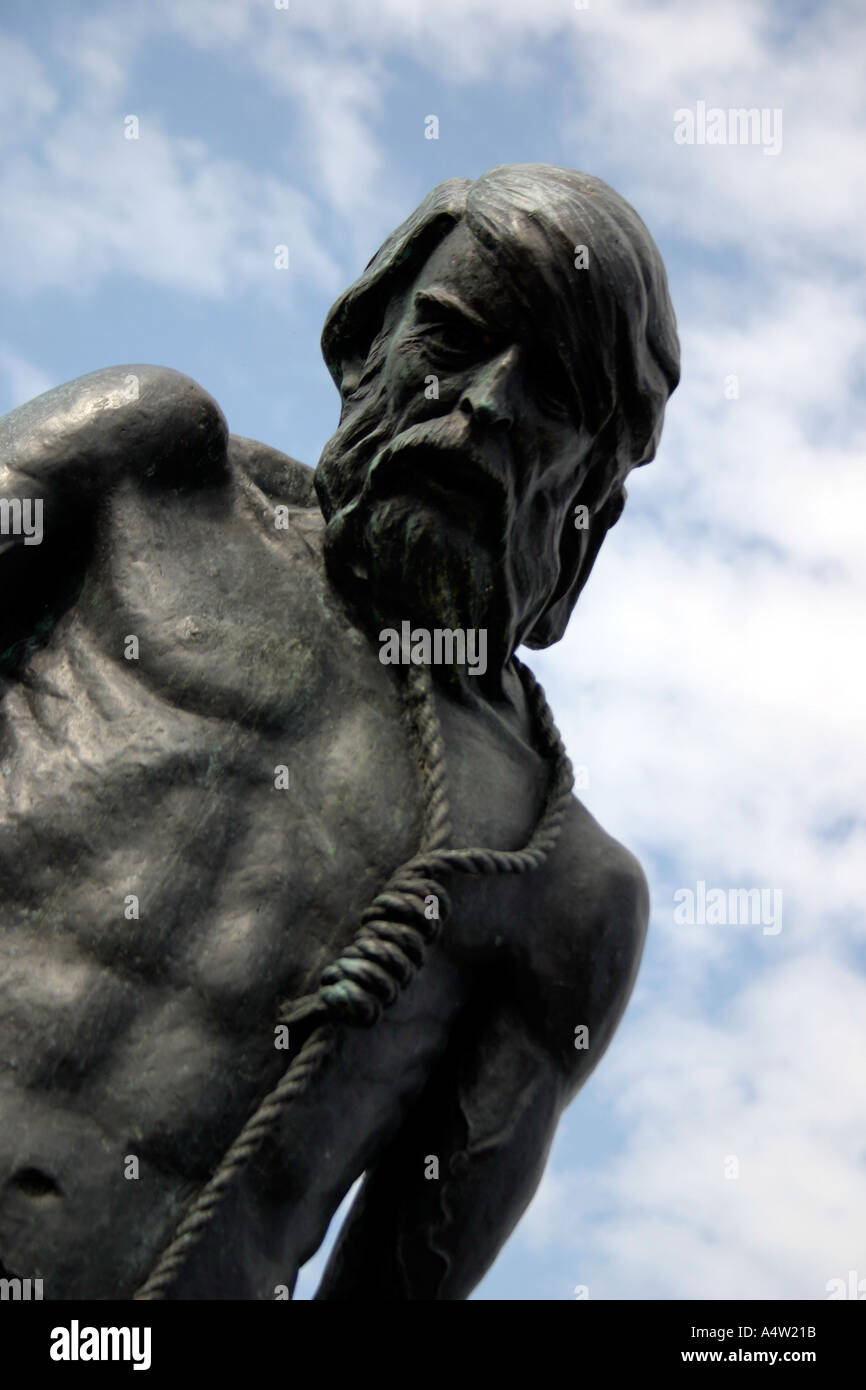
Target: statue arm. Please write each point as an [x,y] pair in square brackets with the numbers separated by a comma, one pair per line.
[431,1216]
[433,1213]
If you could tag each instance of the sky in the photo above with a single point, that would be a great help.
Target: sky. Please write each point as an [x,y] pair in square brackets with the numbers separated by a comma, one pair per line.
[710,681]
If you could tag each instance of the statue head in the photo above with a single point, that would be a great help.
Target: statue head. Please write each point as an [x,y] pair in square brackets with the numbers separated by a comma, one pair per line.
[504,361]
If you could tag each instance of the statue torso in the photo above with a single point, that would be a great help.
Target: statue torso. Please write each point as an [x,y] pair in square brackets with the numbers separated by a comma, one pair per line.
[168,894]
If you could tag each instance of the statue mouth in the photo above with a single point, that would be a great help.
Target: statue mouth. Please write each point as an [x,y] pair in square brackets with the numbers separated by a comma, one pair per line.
[461,487]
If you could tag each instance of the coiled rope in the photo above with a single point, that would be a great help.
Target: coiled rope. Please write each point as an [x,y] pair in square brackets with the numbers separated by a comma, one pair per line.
[388,948]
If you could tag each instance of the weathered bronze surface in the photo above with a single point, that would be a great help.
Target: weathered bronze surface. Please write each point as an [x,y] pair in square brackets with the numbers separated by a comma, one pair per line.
[208,772]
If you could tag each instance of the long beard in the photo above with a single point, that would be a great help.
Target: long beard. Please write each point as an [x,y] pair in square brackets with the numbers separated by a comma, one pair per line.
[398,549]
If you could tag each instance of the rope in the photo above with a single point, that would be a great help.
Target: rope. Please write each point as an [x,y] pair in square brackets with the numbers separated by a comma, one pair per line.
[389,946]
[294,1082]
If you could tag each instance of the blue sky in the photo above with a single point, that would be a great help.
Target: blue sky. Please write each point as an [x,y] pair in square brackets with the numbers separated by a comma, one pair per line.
[709,682]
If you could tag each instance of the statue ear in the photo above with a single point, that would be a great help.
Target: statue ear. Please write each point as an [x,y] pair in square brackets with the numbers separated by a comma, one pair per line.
[578,549]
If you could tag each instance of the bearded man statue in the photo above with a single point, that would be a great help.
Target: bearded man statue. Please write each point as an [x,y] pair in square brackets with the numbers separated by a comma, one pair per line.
[284,903]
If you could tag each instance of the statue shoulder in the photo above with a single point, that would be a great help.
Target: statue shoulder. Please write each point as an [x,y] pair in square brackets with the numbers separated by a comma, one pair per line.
[607,876]
[278,475]
[597,911]
[135,420]
[66,454]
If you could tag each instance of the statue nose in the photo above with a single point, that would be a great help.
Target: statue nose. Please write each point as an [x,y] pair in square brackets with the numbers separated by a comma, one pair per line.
[489,396]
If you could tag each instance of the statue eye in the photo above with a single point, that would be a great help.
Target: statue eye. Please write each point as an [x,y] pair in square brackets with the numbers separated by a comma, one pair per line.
[458,340]
[450,337]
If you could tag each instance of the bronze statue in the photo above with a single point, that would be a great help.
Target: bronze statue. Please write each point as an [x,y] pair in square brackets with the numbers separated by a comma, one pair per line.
[288,897]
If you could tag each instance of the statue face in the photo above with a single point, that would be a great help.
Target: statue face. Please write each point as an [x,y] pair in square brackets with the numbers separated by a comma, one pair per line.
[453,478]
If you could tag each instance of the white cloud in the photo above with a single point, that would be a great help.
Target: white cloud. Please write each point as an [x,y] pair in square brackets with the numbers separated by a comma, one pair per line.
[81,200]
[802,207]
[26,95]
[24,380]
[158,207]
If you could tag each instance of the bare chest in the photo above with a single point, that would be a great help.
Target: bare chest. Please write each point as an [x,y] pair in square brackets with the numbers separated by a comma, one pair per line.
[208,777]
